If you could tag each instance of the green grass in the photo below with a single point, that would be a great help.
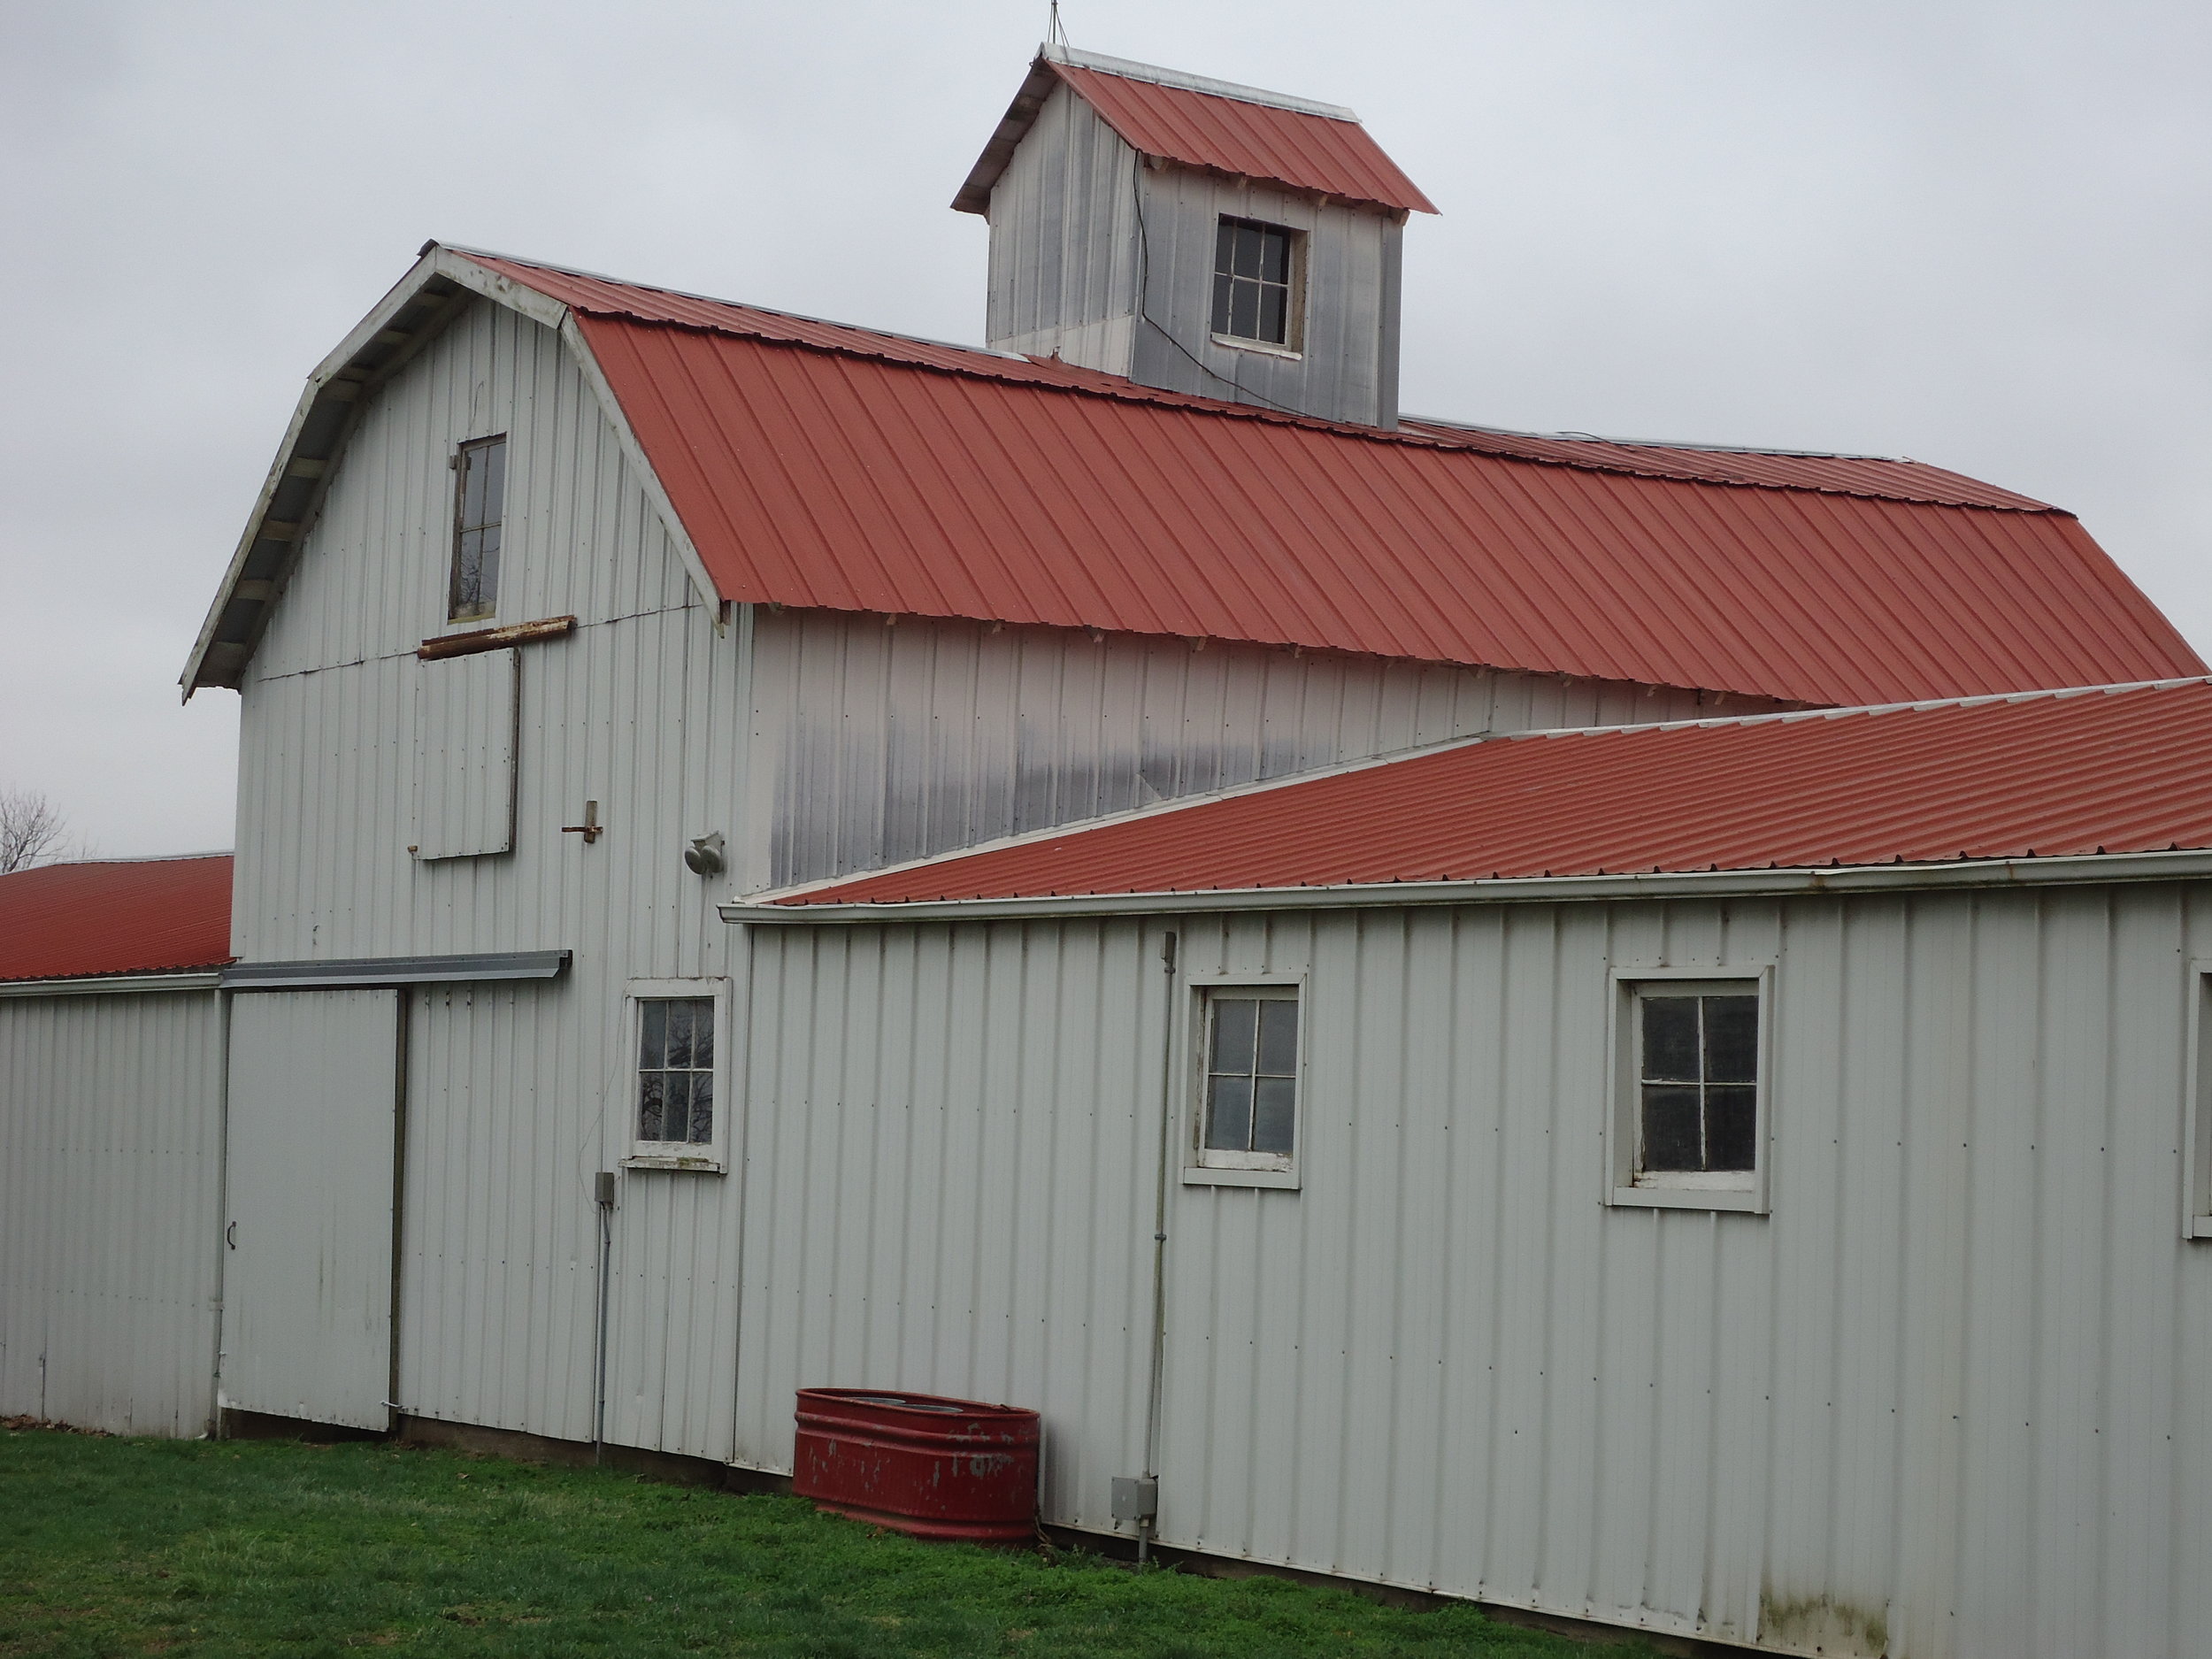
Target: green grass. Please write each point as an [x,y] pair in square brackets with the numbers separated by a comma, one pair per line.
[111,1547]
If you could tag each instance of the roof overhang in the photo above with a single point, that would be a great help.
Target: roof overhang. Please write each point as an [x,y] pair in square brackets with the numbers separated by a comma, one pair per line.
[2086,869]
[115,984]
[443,282]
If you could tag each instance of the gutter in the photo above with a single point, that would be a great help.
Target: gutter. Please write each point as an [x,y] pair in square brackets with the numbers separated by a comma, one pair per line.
[113,984]
[2070,870]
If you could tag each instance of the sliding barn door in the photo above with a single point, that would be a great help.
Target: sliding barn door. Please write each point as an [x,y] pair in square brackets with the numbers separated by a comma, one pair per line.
[307,1283]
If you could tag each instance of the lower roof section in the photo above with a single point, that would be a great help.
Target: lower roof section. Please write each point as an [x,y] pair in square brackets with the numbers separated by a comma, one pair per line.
[113,915]
[2121,776]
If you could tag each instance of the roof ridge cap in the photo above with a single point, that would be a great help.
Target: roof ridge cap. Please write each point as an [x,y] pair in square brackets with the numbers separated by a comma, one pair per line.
[1183,81]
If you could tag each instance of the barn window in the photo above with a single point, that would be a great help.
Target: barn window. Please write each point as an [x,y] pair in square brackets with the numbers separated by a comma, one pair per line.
[1255,282]
[1691,1119]
[479,503]
[1249,1053]
[677,1104]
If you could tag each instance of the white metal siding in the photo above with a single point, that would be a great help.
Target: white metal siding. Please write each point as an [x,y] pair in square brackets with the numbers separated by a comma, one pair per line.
[874,744]
[464,755]
[111,1171]
[307,1265]
[1944,1398]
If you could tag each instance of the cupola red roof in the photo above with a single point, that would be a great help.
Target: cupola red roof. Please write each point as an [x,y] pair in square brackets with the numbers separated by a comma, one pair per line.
[1241,132]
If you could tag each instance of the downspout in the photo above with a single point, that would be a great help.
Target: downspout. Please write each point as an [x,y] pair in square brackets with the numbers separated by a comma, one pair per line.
[1149,1524]
[602,1193]
[223,1246]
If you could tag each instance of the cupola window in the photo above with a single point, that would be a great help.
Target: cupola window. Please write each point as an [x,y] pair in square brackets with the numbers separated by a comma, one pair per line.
[1254,264]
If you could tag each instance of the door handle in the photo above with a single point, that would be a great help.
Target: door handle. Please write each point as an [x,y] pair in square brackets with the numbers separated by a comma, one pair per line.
[230,1235]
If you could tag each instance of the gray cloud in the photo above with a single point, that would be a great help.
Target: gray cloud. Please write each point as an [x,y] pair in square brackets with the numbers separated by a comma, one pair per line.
[1976,233]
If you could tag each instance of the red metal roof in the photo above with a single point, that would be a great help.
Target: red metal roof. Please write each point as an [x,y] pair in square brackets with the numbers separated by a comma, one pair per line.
[150,915]
[2101,771]
[1252,141]
[1240,131]
[814,465]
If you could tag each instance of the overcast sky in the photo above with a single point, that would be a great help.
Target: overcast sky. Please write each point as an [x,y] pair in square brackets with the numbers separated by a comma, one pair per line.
[1978,234]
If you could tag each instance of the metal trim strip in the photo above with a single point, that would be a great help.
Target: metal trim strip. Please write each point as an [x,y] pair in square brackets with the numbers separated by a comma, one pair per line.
[1990,873]
[382,970]
[114,984]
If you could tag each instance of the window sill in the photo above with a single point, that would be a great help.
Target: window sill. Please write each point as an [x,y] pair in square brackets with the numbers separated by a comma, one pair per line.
[2199,1227]
[1265,348]
[691,1162]
[1742,1200]
[1205,1175]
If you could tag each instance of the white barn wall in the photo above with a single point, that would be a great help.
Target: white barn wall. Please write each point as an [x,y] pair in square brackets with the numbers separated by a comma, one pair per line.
[1939,1402]
[111,1185]
[874,744]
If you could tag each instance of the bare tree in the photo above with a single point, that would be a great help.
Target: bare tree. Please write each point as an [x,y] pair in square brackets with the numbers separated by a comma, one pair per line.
[31,830]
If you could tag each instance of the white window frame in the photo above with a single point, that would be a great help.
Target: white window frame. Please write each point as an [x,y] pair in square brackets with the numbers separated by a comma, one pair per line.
[1205,1168]
[706,1158]
[1685,1189]
[2196,1132]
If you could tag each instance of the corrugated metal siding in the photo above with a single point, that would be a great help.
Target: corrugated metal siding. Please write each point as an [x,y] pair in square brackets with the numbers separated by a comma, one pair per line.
[514,1095]
[1943,1388]
[875,744]
[110,1177]
[1063,242]
[1348,356]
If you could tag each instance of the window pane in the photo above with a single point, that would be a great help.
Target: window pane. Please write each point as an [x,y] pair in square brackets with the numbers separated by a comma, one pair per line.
[1229,1114]
[652,1049]
[676,1116]
[702,1107]
[1221,304]
[679,1034]
[472,488]
[1670,1129]
[1232,1034]
[649,1106]
[1274,1111]
[1274,310]
[1278,1036]
[1670,1038]
[487,566]
[1275,255]
[1249,258]
[1731,1116]
[495,455]
[1731,1039]
[702,1033]
[1244,310]
[1225,249]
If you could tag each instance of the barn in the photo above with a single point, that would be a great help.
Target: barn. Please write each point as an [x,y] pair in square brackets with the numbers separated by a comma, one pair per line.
[1605,1027]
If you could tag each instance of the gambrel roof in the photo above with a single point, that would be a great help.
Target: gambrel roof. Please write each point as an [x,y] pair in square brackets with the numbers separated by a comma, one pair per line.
[808,463]
[2081,775]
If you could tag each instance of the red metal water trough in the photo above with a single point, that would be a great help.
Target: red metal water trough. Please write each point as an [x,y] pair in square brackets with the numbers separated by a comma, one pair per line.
[920,1464]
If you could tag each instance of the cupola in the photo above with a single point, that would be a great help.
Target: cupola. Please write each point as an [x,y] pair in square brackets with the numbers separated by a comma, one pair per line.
[1196,235]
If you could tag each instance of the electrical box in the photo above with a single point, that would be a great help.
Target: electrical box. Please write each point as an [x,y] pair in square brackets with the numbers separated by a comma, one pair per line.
[1136,1498]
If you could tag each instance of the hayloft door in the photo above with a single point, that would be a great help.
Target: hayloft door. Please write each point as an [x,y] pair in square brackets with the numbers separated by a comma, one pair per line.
[307,1241]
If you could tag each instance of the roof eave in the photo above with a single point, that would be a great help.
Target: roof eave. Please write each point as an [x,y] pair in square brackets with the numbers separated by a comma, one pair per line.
[974,195]
[2073,870]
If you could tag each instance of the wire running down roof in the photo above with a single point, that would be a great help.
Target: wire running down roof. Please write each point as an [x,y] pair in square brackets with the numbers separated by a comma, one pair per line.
[115,917]
[2106,770]
[1213,125]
